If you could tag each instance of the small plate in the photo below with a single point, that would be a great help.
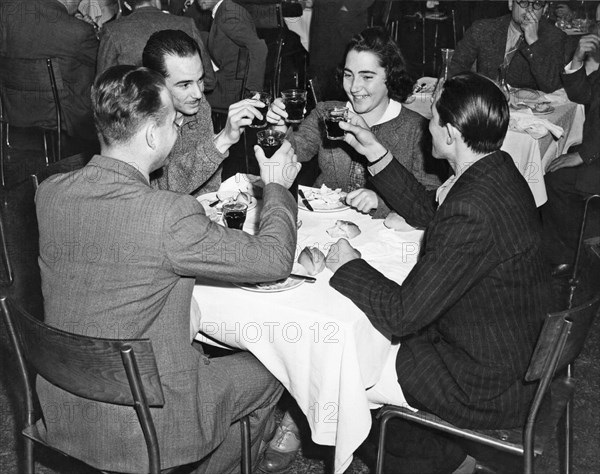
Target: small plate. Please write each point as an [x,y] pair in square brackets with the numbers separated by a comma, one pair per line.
[209,198]
[320,205]
[525,94]
[273,287]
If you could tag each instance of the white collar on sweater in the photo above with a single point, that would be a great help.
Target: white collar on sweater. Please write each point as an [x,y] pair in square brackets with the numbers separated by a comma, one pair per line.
[391,112]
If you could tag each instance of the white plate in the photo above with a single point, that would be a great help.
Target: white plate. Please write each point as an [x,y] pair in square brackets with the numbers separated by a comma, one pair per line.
[274,287]
[318,204]
[208,198]
[543,112]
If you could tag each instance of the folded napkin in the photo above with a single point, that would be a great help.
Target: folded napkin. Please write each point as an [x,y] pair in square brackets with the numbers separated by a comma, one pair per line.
[537,127]
[241,182]
[557,97]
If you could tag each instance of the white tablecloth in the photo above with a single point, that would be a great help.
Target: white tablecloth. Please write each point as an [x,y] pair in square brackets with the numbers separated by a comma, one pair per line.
[320,346]
[532,156]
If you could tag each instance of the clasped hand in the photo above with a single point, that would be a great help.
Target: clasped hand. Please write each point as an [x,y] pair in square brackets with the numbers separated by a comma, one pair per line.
[339,254]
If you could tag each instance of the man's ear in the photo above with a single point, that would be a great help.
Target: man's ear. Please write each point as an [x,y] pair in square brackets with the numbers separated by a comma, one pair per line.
[510,5]
[151,138]
[451,133]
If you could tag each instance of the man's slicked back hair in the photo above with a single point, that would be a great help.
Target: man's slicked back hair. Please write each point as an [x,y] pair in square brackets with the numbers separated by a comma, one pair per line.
[475,106]
[168,42]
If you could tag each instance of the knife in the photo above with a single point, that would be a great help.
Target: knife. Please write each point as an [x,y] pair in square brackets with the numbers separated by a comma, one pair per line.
[304,200]
[307,279]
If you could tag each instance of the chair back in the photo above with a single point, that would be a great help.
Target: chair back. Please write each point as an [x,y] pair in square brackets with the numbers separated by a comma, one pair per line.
[88,367]
[6,273]
[561,339]
[122,372]
[28,85]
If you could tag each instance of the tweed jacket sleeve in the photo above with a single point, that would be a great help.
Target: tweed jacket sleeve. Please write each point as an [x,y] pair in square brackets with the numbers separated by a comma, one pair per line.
[197,248]
[586,90]
[108,53]
[466,51]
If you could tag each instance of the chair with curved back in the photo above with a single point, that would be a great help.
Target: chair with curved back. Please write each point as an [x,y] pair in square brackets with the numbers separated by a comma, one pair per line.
[561,339]
[116,371]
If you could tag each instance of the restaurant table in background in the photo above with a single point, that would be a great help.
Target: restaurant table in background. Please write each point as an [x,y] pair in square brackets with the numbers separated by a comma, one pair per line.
[320,346]
[532,156]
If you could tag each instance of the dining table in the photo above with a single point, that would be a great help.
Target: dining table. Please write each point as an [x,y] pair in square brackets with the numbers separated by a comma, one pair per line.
[315,341]
[530,140]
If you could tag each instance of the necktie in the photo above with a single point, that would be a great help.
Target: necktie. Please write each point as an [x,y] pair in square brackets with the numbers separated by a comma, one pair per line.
[511,52]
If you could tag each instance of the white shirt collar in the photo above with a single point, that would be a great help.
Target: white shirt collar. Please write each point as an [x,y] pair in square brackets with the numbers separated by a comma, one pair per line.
[391,112]
[215,8]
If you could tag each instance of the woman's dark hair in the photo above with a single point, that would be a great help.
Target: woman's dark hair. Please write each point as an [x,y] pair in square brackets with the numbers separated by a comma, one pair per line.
[123,99]
[378,42]
[168,42]
[475,106]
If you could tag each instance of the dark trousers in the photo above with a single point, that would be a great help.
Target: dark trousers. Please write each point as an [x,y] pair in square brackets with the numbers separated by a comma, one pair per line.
[562,215]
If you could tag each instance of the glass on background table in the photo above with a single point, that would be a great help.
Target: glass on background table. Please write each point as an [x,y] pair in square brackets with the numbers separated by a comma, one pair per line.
[319,345]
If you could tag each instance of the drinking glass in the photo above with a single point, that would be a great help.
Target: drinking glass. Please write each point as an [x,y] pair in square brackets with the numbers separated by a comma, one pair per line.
[295,103]
[266,99]
[234,214]
[270,141]
[333,116]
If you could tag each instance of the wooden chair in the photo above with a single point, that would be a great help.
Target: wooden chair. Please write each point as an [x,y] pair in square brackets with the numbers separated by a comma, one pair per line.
[23,79]
[6,276]
[560,342]
[122,372]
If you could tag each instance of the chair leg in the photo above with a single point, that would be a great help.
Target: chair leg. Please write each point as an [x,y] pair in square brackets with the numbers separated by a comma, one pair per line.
[29,461]
[46,147]
[568,434]
[246,453]
[381,445]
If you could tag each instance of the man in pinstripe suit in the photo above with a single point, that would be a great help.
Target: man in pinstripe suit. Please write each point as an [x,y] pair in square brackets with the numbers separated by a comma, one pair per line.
[469,313]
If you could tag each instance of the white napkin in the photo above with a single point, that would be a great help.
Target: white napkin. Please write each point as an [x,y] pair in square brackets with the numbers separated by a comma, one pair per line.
[526,121]
[557,97]
[238,183]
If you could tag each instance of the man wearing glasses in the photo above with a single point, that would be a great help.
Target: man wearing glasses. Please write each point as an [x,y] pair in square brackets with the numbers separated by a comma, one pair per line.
[528,47]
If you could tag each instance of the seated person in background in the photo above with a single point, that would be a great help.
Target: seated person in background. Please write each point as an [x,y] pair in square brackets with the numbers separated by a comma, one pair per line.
[150,246]
[531,49]
[122,41]
[574,176]
[375,82]
[469,312]
[233,29]
[194,164]
[40,29]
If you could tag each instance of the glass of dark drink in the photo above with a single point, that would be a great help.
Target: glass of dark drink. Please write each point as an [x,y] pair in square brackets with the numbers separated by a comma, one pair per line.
[333,116]
[266,99]
[270,141]
[295,104]
[234,214]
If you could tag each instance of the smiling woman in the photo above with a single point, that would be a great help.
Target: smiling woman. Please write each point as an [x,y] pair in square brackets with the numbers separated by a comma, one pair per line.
[375,80]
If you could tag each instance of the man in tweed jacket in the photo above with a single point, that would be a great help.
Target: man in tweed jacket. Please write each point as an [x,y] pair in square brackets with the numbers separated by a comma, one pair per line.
[469,312]
[119,259]
[540,49]
[194,164]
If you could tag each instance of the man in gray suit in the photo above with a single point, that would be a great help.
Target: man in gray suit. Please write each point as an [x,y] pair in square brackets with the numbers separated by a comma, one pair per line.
[119,259]
[195,161]
[122,41]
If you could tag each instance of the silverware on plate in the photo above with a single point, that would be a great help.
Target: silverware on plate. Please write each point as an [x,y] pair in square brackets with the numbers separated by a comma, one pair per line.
[304,200]
[306,278]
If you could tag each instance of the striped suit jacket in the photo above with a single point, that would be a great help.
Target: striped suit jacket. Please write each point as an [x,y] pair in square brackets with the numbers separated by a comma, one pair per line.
[537,66]
[469,312]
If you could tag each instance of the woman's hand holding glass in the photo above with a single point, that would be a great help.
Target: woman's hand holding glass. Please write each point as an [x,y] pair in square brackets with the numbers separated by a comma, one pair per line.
[277,115]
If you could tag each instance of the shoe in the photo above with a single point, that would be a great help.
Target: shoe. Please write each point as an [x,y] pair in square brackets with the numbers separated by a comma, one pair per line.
[561,269]
[282,449]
